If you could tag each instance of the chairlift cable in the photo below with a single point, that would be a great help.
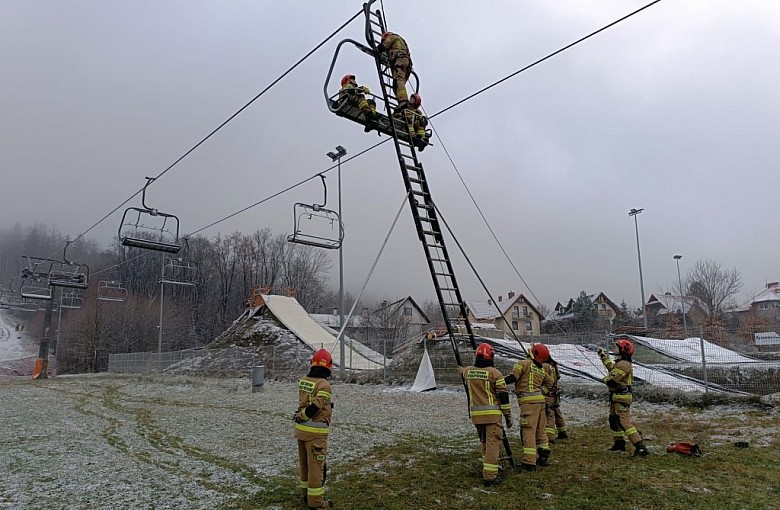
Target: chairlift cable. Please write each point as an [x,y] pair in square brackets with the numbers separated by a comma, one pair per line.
[529,66]
[277,80]
[490,228]
[371,271]
[266,199]
[458,103]
[474,270]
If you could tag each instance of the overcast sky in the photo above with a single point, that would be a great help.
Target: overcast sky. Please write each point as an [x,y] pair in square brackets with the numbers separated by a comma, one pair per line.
[674,110]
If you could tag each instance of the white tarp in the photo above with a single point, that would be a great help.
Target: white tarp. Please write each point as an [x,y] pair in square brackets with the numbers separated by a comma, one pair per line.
[426,379]
[689,350]
[290,313]
[579,361]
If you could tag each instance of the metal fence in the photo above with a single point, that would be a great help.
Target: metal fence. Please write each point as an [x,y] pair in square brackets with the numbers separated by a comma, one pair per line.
[734,368]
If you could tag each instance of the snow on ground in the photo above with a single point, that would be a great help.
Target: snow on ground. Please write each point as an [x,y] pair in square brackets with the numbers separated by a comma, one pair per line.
[162,441]
[18,349]
[689,349]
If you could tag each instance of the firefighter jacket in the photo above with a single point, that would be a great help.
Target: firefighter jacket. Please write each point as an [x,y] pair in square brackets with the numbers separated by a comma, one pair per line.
[313,417]
[352,90]
[531,381]
[488,395]
[550,390]
[396,48]
[619,379]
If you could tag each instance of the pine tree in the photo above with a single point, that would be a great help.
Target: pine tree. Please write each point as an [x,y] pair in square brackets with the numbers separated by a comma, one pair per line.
[585,313]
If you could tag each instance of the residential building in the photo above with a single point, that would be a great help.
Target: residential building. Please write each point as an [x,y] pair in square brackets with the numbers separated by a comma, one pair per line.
[659,306]
[605,308]
[514,314]
[765,305]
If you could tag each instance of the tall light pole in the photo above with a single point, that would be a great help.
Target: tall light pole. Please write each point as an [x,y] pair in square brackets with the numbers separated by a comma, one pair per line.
[634,212]
[336,156]
[682,300]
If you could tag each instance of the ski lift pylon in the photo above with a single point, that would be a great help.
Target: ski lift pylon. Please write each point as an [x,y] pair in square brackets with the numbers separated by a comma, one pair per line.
[160,233]
[319,224]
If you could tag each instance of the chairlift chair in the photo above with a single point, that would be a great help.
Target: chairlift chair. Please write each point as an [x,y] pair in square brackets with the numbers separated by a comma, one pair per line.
[112,290]
[323,227]
[179,272]
[342,106]
[149,229]
[35,277]
[71,300]
[67,273]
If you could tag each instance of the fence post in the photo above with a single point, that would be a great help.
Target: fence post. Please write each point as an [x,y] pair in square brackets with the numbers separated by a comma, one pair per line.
[703,362]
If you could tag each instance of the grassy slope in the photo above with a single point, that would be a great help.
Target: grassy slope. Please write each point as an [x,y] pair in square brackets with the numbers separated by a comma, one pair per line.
[428,472]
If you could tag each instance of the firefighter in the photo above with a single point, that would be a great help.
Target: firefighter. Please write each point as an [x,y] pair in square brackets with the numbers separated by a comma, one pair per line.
[619,379]
[556,425]
[351,93]
[312,420]
[401,63]
[417,122]
[488,401]
[530,378]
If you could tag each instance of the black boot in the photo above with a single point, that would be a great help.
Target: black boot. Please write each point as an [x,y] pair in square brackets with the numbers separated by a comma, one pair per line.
[371,121]
[489,483]
[640,449]
[527,467]
[618,446]
[563,435]
[543,457]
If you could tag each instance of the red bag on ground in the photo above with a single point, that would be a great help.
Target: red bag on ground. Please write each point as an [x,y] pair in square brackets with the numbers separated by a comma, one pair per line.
[685,449]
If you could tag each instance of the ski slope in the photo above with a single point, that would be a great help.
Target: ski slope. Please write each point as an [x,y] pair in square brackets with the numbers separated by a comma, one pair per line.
[292,315]
[17,348]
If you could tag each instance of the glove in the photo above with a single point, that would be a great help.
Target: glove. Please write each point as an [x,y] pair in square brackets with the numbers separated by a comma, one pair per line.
[508,420]
[297,418]
[602,353]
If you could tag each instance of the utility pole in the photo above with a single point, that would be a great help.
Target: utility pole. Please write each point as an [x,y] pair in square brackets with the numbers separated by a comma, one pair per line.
[340,151]
[634,212]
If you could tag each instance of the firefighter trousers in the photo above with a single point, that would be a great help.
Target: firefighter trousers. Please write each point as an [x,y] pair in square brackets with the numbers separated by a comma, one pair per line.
[312,456]
[400,76]
[490,435]
[555,422]
[532,424]
[620,423]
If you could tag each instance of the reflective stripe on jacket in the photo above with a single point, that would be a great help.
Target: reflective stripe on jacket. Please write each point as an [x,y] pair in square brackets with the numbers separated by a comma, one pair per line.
[619,380]
[485,386]
[530,380]
[313,390]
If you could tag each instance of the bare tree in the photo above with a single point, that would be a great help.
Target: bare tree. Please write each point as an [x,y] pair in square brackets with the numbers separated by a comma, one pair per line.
[713,285]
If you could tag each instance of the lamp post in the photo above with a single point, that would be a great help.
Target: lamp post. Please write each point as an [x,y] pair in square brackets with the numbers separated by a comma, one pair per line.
[336,156]
[682,300]
[634,213]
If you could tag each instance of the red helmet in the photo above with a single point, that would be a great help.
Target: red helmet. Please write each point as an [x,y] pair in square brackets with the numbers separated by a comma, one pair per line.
[322,358]
[484,351]
[540,352]
[347,78]
[625,346]
[386,35]
[415,100]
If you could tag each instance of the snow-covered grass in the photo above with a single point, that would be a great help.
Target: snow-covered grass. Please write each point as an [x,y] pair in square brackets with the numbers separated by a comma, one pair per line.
[165,441]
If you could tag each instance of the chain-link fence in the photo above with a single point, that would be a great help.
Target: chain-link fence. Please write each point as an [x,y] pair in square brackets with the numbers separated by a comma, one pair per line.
[691,365]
